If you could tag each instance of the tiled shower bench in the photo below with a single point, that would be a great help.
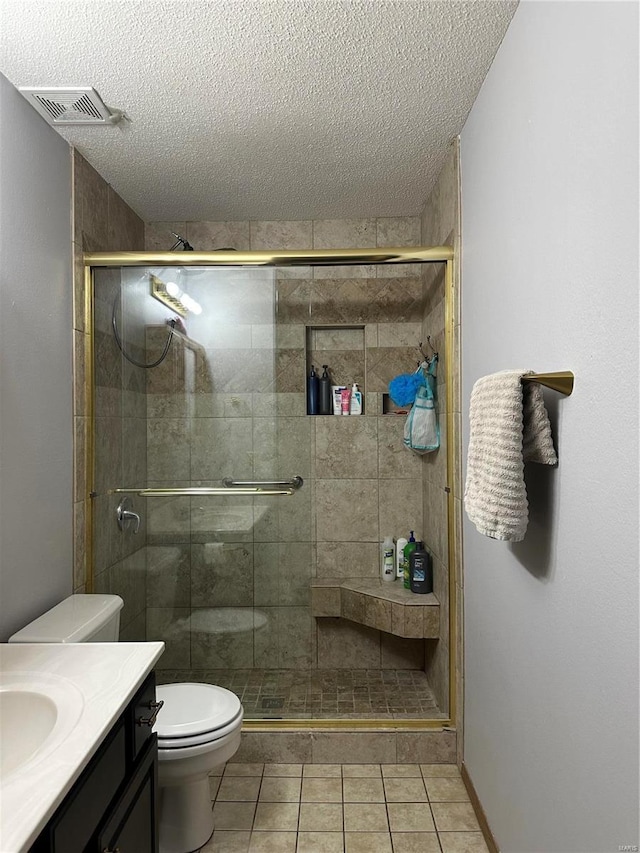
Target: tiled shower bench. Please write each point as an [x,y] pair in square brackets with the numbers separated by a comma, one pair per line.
[386,606]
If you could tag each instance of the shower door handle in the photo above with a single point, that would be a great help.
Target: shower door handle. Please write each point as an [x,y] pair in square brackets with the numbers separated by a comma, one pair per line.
[293,483]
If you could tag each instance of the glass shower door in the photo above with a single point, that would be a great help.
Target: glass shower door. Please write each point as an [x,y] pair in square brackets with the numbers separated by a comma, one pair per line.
[223,580]
[199,386]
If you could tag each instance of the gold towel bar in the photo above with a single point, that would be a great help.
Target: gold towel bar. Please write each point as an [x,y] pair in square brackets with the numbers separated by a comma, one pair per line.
[561,380]
[198,492]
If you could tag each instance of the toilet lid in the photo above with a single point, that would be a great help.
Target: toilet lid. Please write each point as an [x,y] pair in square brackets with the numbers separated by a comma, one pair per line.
[192,709]
[211,738]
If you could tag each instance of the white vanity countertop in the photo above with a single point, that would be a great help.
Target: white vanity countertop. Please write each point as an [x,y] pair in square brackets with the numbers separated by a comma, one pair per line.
[101,677]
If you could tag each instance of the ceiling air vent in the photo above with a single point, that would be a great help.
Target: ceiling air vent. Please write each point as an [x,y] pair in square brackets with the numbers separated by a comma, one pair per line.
[66,105]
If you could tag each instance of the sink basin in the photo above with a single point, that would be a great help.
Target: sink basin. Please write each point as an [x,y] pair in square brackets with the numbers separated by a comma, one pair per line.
[26,721]
[37,712]
[57,703]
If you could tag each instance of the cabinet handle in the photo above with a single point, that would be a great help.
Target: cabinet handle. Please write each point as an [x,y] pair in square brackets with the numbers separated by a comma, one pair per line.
[148,721]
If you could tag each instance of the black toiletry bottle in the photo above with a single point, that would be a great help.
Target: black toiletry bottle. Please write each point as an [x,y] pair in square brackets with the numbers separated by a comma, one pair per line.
[421,570]
[312,392]
[325,406]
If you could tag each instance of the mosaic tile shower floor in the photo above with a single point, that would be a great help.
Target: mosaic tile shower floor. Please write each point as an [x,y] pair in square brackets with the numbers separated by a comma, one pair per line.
[321,693]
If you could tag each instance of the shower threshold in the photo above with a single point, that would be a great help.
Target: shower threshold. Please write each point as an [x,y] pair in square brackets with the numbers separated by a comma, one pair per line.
[322,694]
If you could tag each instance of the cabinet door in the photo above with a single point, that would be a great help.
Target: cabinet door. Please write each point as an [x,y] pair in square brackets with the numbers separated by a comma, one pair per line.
[76,821]
[132,824]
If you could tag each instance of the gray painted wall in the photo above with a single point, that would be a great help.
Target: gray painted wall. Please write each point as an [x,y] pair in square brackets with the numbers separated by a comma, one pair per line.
[36,434]
[550,282]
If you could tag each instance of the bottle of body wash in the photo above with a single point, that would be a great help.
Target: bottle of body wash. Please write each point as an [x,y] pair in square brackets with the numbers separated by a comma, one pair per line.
[421,570]
[388,554]
[400,557]
[409,548]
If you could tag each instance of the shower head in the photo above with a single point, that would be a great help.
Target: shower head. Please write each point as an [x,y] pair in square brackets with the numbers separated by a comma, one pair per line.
[187,247]
[180,241]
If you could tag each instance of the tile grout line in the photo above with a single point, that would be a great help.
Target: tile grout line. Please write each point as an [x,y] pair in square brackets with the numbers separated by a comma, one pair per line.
[386,806]
[438,834]
[262,778]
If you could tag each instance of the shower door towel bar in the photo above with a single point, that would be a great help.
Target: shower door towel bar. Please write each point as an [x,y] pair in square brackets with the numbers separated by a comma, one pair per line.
[197,492]
[293,483]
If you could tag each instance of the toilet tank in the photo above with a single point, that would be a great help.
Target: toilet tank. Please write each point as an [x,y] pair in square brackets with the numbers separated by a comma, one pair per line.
[77,619]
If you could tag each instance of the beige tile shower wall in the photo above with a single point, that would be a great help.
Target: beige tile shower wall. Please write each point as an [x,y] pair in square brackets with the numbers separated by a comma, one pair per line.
[212,413]
[360,482]
[103,222]
[441,226]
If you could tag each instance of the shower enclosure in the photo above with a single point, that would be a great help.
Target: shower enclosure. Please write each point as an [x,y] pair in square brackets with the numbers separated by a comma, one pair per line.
[242,531]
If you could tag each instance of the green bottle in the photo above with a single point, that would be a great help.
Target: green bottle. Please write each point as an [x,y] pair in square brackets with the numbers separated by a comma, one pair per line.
[409,548]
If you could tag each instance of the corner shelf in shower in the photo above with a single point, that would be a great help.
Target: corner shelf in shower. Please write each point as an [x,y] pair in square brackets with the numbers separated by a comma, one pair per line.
[386,606]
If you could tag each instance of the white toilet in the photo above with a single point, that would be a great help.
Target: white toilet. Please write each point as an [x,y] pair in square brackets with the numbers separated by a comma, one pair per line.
[198,727]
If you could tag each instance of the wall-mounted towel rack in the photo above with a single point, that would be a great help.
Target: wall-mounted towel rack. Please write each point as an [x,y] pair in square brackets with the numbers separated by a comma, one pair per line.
[561,380]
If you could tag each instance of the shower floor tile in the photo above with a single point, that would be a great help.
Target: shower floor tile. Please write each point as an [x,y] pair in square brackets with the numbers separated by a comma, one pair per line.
[321,693]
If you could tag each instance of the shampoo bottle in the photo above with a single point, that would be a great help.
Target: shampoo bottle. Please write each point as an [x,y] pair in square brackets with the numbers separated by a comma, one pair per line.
[388,561]
[400,557]
[409,548]
[325,404]
[312,392]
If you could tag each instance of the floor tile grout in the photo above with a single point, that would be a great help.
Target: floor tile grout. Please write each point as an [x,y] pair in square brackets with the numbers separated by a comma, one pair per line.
[476,838]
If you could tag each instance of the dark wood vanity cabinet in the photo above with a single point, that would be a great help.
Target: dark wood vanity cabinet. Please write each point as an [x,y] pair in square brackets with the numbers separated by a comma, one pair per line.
[113,805]
[130,825]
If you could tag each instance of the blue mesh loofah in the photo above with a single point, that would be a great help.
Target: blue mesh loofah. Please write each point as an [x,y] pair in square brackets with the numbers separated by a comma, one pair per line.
[403,388]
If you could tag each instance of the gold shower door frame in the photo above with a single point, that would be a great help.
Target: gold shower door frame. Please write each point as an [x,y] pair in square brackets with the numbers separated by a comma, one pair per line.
[292,258]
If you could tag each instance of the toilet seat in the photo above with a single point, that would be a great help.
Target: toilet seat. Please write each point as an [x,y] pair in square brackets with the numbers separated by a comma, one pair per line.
[195,714]
[182,754]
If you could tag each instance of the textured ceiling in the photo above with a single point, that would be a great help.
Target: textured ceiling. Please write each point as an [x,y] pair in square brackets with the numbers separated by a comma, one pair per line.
[263,109]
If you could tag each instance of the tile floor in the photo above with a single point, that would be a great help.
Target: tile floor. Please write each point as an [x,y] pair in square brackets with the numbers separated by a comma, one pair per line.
[342,808]
[322,693]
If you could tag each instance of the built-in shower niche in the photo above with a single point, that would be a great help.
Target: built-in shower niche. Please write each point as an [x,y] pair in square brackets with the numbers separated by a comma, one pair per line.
[342,348]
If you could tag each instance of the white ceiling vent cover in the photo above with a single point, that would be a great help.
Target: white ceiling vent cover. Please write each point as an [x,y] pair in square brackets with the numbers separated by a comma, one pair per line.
[70,105]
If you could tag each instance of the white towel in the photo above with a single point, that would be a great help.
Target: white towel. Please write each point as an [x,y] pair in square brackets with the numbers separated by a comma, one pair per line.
[509,426]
